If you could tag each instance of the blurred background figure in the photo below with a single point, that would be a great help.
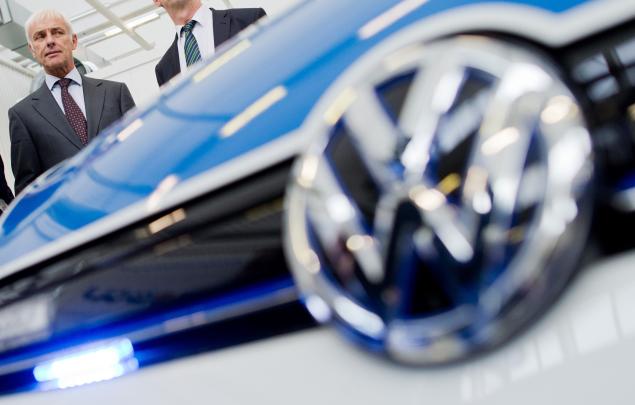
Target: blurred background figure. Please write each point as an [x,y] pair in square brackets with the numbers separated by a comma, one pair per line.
[6,196]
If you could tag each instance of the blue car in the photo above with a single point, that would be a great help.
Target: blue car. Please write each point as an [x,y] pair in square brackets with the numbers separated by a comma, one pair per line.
[447,184]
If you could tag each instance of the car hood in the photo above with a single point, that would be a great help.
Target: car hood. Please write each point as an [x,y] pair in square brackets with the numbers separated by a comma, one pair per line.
[243,110]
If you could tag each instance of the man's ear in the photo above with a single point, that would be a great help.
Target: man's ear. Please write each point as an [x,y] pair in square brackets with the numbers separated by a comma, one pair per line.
[157,3]
[74,41]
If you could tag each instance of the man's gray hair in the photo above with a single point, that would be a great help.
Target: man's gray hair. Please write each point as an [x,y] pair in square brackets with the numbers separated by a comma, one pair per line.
[43,14]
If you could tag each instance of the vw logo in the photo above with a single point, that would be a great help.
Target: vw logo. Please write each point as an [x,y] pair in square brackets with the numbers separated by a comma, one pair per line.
[444,199]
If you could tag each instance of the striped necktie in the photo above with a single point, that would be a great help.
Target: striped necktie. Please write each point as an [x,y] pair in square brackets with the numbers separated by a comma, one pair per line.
[192,53]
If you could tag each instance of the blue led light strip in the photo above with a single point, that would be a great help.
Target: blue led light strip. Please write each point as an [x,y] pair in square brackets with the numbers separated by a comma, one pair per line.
[97,362]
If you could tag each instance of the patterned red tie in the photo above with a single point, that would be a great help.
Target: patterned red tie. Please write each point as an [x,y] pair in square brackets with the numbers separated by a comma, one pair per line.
[74,114]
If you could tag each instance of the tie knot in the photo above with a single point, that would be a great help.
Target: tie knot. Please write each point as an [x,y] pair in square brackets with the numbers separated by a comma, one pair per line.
[189,26]
[64,83]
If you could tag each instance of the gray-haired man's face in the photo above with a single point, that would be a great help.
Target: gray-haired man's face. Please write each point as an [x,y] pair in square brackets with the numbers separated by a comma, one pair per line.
[52,45]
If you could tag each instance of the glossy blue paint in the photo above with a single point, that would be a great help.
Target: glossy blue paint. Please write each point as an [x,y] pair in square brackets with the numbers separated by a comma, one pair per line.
[626,183]
[304,52]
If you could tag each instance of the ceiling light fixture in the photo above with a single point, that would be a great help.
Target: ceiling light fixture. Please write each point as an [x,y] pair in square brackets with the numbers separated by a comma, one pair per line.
[132,24]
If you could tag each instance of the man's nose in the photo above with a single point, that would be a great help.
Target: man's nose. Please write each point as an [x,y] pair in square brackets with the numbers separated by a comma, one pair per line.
[50,39]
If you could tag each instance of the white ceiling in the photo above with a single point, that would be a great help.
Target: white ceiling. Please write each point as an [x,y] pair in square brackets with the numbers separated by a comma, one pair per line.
[93,28]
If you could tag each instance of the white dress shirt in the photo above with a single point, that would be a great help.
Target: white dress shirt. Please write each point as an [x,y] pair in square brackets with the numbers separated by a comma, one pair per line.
[75,89]
[203,32]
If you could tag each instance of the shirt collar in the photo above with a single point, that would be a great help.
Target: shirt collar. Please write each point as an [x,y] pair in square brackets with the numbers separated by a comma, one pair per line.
[73,75]
[203,16]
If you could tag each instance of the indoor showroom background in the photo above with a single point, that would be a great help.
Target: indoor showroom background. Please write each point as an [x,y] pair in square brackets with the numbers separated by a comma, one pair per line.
[119,39]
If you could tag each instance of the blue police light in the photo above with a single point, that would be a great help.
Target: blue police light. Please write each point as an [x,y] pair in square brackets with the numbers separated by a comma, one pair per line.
[87,365]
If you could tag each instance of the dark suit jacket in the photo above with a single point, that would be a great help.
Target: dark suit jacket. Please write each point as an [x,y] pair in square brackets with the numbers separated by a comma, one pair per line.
[227,23]
[41,136]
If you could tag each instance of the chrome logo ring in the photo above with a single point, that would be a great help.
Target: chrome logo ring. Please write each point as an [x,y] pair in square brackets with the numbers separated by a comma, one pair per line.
[443,200]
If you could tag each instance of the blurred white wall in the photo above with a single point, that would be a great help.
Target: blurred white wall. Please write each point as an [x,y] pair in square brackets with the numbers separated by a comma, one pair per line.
[14,87]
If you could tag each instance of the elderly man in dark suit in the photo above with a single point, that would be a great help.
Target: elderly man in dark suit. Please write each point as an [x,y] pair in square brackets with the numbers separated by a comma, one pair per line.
[62,116]
[199,31]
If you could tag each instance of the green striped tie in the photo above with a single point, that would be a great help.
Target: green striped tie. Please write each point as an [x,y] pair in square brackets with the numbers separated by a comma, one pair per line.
[192,53]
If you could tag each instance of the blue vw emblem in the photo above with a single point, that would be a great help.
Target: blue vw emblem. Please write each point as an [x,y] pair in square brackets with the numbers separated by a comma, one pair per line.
[443,200]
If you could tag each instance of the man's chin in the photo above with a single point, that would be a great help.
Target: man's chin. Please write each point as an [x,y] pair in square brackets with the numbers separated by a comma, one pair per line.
[55,67]
[53,61]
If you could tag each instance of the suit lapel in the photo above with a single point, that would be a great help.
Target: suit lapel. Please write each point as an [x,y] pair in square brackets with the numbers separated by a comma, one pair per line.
[172,65]
[45,104]
[94,95]
[221,22]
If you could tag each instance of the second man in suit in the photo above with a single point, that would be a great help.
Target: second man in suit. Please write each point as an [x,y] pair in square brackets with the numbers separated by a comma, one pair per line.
[62,116]
[199,30]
